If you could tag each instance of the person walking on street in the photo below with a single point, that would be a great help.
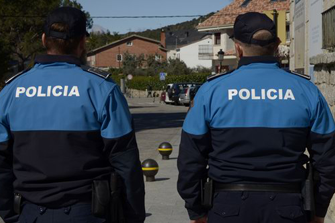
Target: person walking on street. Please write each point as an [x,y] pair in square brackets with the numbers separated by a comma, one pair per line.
[63,128]
[149,89]
[250,127]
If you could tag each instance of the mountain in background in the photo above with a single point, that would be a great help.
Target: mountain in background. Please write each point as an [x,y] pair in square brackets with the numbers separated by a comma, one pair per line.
[98,29]
[188,25]
[100,36]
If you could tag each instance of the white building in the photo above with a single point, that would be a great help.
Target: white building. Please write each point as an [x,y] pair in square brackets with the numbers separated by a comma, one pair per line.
[191,54]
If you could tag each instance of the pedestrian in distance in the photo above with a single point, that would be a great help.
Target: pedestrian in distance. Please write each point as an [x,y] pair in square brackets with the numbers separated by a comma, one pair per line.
[251,127]
[67,140]
[149,90]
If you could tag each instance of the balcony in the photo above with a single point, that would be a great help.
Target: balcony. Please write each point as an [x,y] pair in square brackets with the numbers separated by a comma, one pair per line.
[206,52]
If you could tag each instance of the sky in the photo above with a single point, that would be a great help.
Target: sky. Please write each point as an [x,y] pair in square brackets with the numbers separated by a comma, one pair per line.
[147,8]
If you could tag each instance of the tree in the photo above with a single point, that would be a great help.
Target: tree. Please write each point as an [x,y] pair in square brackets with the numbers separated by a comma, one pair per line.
[21,25]
[97,40]
[132,64]
[4,60]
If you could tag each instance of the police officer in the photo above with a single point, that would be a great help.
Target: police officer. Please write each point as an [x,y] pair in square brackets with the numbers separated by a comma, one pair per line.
[251,127]
[62,126]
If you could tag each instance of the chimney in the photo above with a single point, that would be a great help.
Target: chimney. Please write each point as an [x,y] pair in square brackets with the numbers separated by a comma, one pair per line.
[163,38]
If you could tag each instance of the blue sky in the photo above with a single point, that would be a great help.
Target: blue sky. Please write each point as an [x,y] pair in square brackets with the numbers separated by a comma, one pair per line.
[147,8]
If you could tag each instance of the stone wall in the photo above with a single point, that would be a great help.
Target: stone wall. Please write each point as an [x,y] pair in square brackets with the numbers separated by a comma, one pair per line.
[141,94]
[324,73]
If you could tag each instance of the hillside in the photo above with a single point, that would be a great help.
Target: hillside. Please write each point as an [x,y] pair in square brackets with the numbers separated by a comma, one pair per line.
[188,25]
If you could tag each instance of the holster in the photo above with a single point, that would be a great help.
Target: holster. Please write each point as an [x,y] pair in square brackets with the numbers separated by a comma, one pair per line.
[207,193]
[308,193]
[107,199]
[17,203]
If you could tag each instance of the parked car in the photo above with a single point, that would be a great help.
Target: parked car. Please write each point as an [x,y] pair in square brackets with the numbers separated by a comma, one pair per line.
[174,90]
[193,92]
[185,95]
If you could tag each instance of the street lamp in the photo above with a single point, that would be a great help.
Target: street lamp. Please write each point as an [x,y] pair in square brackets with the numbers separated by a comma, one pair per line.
[220,55]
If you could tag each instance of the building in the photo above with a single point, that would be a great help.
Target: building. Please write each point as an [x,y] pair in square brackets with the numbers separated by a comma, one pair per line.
[195,55]
[189,49]
[111,55]
[187,46]
[221,25]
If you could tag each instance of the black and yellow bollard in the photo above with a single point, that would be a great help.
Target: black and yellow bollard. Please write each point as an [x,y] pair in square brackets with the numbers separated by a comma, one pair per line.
[165,149]
[150,169]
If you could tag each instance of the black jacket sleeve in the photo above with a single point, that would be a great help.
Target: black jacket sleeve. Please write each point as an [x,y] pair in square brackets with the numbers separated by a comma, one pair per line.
[6,183]
[192,164]
[321,147]
[121,149]
[124,157]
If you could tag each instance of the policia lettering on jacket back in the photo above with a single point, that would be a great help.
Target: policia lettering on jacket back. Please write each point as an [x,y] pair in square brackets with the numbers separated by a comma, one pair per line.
[67,145]
[250,127]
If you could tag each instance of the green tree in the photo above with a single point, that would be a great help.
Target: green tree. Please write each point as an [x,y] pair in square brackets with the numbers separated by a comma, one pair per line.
[133,64]
[97,40]
[4,60]
[177,67]
[21,25]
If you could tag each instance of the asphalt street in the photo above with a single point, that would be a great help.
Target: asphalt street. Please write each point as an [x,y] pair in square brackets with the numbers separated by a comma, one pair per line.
[156,123]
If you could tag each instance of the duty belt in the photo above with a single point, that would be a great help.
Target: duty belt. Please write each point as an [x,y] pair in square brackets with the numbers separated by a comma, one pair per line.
[283,188]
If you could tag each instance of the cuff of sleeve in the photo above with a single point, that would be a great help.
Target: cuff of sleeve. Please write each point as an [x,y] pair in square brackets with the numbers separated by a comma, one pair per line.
[196,213]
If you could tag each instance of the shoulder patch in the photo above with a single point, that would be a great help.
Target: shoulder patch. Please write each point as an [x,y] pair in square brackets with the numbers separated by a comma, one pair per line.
[300,75]
[214,76]
[16,75]
[96,71]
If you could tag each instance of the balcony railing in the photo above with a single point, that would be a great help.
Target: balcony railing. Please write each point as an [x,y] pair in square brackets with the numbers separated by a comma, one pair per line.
[205,52]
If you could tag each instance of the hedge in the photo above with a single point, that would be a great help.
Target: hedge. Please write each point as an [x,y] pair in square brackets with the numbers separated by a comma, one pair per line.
[142,82]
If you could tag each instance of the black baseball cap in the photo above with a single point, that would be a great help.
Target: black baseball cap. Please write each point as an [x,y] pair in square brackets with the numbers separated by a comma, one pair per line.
[73,17]
[246,25]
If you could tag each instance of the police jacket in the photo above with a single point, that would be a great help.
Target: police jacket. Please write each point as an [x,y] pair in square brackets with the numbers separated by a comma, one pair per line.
[61,127]
[252,126]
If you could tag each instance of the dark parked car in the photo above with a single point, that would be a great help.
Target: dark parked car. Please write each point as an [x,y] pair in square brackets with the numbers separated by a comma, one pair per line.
[176,89]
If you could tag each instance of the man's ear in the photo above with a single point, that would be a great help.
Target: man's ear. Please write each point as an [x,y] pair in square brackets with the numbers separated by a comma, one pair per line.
[239,50]
[43,39]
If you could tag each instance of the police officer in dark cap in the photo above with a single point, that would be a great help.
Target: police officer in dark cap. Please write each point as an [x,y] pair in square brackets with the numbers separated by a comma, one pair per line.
[65,129]
[248,132]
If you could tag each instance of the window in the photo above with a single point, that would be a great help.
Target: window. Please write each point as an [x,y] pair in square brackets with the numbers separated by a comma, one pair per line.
[205,52]
[119,57]
[130,43]
[158,57]
[217,38]
[328,29]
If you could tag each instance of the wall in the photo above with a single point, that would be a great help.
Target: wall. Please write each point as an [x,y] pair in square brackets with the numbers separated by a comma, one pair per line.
[107,57]
[190,54]
[324,77]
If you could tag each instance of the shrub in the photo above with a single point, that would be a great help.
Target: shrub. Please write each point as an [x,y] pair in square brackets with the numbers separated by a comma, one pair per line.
[142,82]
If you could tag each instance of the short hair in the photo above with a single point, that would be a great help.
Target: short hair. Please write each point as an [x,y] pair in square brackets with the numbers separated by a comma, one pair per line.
[257,50]
[62,46]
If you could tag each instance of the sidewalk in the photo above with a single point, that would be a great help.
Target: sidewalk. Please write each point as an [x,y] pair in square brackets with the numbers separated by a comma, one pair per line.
[163,203]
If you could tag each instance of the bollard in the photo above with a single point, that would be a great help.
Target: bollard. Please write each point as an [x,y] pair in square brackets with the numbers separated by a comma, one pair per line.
[150,169]
[165,149]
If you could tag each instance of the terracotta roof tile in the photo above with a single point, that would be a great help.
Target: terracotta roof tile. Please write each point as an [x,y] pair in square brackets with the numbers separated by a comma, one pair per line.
[227,15]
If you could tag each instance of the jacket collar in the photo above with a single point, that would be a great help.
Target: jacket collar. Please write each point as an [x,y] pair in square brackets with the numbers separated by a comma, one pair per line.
[45,59]
[258,59]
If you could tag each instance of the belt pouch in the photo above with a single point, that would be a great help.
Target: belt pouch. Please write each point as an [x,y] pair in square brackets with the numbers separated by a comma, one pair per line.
[17,203]
[100,198]
[207,193]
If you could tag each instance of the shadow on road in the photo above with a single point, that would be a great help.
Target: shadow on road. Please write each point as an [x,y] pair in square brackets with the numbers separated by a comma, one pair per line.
[158,120]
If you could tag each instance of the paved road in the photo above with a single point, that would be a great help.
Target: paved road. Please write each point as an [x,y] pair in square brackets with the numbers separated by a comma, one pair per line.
[155,123]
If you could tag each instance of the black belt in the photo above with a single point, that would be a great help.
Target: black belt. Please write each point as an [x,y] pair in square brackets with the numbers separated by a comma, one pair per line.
[283,188]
